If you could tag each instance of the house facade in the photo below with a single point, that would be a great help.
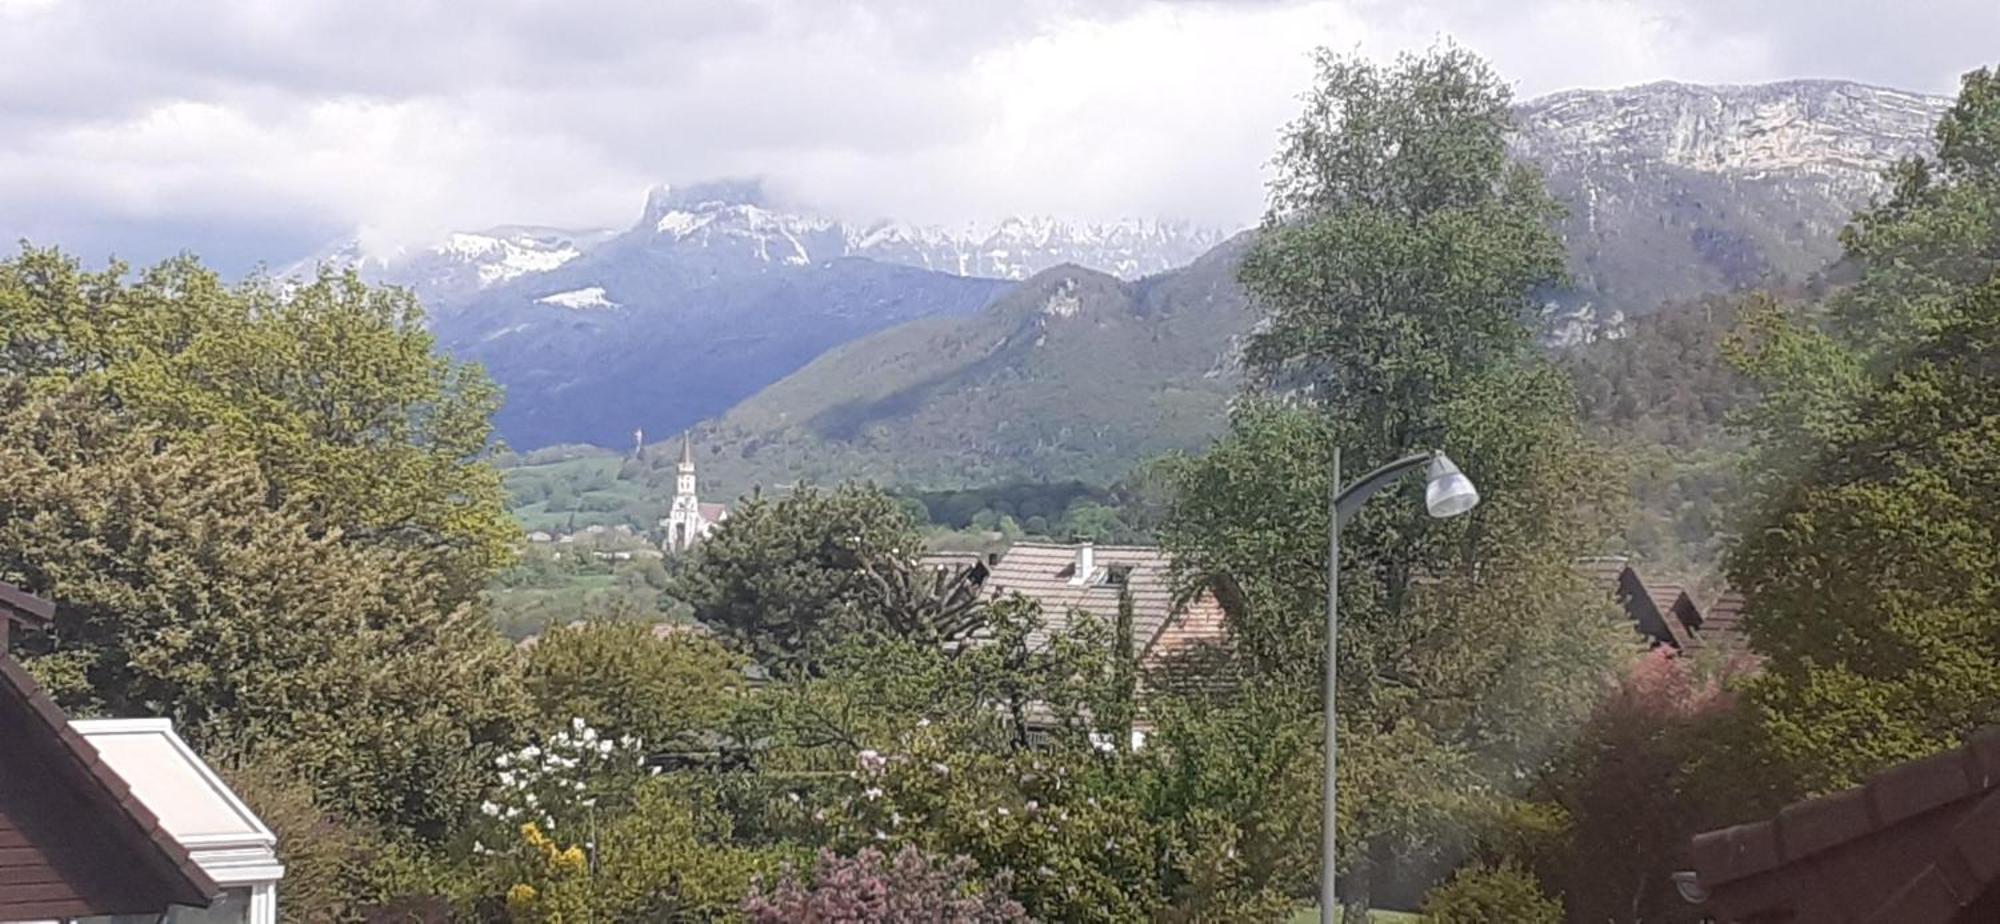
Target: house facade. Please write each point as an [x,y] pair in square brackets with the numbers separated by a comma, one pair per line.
[116,820]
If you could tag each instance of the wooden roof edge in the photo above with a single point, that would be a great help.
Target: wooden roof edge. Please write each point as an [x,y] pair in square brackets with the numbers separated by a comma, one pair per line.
[186,882]
[1891,797]
[24,606]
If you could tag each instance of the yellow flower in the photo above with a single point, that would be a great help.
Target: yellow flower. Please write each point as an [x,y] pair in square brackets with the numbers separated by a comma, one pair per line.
[573,859]
[521,896]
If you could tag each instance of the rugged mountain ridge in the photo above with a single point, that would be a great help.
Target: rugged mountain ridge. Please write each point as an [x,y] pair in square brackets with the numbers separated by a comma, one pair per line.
[740,220]
[1679,190]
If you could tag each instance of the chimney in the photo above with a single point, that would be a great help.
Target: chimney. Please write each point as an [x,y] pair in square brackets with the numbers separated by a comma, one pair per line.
[1086,562]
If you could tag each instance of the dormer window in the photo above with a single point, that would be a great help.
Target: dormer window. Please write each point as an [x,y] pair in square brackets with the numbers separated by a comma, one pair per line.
[1118,575]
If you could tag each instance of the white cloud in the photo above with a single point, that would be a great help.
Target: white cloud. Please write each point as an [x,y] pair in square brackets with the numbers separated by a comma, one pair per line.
[197,122]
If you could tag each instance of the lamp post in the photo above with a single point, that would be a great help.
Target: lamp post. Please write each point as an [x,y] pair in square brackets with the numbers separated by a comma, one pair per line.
[1448,494]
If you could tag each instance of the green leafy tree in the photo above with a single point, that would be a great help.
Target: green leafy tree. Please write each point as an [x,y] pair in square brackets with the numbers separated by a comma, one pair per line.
[333,388]
[1873,575]
[1867,553]
[622,679]
[1398,273]
[183,594]
[784,579]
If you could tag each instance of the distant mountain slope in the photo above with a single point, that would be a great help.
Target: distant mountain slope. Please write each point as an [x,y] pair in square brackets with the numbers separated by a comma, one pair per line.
[1676,190]
[649,332]
[1074,374]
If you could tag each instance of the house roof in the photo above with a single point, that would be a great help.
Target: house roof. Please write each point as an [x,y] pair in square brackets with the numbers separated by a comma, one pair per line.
[1044,572]
[223,836]
[713,513]
[1678,612]
[1917,844]
[77,840]
[1722,622]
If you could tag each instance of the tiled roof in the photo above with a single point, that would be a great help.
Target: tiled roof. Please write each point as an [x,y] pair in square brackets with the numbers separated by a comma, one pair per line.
[1917,844]
[1677,611]
[713,513]
[1043,572]
[1722,622]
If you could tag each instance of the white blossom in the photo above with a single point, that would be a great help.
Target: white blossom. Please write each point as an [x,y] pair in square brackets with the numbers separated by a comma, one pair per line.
[489,809]
[872,793]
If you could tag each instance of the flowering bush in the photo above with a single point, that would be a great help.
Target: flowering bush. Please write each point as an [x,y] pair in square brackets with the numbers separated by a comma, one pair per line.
[910,889]
[1079,846]
[557,783]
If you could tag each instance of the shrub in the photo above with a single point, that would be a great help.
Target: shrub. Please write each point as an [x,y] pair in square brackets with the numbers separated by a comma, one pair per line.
[1485,894]
[871,888]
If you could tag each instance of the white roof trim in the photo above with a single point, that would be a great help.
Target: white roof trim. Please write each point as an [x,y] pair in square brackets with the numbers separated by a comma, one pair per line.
[247,853]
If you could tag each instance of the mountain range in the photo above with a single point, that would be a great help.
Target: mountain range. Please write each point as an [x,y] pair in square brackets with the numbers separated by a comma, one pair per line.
[891,348]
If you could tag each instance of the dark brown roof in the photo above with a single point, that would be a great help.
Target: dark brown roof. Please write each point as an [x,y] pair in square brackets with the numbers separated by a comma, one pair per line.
[74,840]
[1917,844]
[1722,623]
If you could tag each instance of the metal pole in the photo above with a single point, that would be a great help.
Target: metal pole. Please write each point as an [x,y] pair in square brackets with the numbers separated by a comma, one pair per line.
[1329,906]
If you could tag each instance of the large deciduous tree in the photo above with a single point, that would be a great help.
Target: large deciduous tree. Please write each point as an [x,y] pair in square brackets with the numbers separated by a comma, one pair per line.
[182,593]
[1398,272]
[1868,555]
[332,387]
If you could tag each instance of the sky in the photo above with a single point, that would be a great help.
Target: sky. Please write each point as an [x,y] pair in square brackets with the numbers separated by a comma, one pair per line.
[259,131]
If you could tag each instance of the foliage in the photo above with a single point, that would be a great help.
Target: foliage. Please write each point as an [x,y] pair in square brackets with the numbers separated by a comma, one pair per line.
[1868,559]
[909,889]
[1397,273]
[983,697]
[1481,895]
[566,781]
[184,594]
[669,858]
[781,579]
[626,681]
[1873,580]
[1637,785]
[331,388]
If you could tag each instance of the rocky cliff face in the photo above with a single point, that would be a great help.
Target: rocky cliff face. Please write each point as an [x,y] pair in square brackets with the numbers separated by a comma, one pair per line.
[1677,190]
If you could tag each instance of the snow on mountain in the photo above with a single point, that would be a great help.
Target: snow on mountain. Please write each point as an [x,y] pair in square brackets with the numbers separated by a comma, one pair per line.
[462,264]
[579,299]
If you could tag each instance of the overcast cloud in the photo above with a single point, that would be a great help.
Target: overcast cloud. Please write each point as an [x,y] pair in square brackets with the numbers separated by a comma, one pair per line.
[259,130]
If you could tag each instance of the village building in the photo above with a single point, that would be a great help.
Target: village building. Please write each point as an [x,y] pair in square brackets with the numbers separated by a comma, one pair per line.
[1172,633]
[116,820]
[689,520]
[1665,613]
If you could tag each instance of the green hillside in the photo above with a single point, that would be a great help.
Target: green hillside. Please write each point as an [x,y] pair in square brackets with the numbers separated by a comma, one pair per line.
[1074,375]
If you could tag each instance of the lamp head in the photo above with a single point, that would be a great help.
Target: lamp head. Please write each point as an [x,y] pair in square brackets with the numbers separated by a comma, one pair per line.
[1449,492]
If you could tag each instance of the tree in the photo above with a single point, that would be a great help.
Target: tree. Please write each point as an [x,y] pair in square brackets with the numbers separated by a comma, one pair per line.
[1397,273]
[1867,553]
[784,579]
[333,388]
[1872,577]
[911,888]
[623,680]
[1636,786]
[183,594]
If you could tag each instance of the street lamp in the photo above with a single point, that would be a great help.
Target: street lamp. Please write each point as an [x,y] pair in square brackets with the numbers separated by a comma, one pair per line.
[1448,494]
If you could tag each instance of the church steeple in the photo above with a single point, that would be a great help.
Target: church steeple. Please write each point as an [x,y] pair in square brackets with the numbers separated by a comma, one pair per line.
[684,481]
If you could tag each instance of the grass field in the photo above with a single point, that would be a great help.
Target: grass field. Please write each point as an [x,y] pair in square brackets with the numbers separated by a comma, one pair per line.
[1311,916]
[584,491]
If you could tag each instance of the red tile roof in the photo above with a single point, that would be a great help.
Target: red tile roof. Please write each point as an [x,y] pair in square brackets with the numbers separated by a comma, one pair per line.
[1917,844]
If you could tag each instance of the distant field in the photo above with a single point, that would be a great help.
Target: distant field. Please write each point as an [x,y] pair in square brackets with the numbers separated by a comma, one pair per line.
[579,492]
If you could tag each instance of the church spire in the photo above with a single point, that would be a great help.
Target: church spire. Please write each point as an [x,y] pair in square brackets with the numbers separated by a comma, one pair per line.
[687,449]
